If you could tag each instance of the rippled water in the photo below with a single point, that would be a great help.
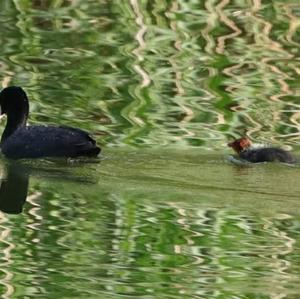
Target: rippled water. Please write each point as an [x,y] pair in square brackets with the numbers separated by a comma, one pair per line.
[165,229]
[162,85]
[184,73]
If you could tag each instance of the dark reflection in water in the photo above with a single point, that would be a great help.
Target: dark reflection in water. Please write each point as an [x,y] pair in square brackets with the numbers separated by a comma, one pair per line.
[14,188]
[14,184]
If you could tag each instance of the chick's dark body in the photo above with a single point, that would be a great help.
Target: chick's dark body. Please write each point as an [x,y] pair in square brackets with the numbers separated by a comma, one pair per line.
[267,154]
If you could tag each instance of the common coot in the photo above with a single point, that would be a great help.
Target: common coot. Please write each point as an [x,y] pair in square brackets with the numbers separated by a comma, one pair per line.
[243,147]
[20,141]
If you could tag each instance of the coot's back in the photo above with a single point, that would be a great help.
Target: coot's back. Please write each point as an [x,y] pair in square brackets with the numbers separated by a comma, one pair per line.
[49,141]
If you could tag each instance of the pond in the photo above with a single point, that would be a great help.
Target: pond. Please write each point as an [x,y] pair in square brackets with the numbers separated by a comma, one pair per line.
[162,86]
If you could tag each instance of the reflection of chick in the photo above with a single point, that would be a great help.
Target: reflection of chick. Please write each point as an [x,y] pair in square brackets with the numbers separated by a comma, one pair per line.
[252,154]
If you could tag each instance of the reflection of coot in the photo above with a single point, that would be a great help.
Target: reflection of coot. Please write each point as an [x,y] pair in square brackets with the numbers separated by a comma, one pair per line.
[20,141]
[249,153]
[13,190]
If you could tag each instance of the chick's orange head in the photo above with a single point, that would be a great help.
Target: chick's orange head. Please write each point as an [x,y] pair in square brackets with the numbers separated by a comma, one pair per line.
[240,144]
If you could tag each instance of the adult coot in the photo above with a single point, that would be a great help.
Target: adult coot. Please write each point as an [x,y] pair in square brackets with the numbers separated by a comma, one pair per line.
[20,141]
[243,147]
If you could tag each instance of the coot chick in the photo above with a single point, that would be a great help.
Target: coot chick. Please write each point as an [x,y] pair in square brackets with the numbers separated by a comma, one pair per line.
[19,141]
[246,151]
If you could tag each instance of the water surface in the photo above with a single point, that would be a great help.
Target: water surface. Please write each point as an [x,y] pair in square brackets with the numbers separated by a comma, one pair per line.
[182,225]
[163,86]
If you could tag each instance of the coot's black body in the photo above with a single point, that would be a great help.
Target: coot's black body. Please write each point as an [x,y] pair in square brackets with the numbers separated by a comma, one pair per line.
[20,141]
[266,154]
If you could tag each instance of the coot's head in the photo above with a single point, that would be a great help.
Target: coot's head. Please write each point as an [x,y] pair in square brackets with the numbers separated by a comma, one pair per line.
[240,144]
[13,100]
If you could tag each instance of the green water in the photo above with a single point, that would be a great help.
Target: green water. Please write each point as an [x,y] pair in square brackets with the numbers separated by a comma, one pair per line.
[153,224]
[162,86]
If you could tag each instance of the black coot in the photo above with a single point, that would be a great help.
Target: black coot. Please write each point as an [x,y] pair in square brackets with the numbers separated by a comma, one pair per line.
[20,141]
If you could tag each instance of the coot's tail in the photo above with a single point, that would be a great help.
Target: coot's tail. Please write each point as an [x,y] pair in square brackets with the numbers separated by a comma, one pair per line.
[91,152]
[88,147]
